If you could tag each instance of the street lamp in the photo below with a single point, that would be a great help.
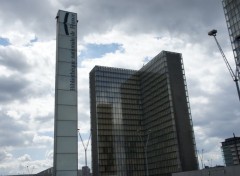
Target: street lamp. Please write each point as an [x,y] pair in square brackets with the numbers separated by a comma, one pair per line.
[28,170]
[145,149]
[233,75]
[201,157]
[85,147]
[237,38]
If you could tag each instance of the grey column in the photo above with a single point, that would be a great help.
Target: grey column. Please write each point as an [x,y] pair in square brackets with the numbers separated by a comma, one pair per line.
[65,120]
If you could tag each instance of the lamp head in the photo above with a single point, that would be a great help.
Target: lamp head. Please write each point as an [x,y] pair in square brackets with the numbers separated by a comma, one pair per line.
[212,32]
[237,38]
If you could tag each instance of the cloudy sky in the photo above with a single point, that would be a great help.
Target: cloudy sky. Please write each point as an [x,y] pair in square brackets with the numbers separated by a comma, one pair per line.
[126,34]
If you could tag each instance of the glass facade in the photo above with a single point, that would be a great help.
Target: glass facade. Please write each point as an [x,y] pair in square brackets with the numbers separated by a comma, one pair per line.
[231,151]
[232,15]
[118,114]
[126,105]
[158,116]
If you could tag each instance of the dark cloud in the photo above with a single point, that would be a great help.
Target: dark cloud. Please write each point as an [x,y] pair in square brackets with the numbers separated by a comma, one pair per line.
[13,132]
[43,122]
[44,119]
[31,16]
[189,18]
[219,117]
[13,59]
[13,88]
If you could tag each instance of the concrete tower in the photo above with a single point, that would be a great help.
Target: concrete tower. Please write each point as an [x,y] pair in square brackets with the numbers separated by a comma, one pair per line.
[65,121]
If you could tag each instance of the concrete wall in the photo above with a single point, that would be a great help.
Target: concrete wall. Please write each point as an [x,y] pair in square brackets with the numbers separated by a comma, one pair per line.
[216,171]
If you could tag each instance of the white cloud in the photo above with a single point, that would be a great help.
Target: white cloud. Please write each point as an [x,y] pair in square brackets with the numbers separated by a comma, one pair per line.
[27,70]
[24,158]
[42,140]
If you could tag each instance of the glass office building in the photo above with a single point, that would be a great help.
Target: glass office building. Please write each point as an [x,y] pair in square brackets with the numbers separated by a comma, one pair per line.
[140,119]
[231,151]
[232,15]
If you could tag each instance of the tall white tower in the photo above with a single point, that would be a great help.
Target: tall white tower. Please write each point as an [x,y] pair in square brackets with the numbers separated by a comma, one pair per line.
[65,120]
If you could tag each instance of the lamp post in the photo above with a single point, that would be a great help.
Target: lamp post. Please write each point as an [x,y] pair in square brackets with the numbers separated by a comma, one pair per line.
[201,157]
[28,170]
[85,147]
[145,149]
[233,75]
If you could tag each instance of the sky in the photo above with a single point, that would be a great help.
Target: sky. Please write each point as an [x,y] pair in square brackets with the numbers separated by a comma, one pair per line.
[125,34]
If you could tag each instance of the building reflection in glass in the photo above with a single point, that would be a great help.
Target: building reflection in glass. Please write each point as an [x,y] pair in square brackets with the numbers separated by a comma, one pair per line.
[126,104]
